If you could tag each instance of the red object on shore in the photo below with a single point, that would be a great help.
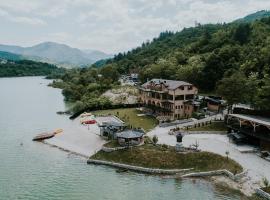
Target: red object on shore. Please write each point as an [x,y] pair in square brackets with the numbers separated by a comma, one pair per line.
[90,122]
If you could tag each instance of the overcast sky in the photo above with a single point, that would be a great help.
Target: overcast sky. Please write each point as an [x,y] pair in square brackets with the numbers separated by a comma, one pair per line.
[110,25]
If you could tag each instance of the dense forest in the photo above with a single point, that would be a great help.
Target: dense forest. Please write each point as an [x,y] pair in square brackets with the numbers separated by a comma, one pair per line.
[17,68]
[232,60]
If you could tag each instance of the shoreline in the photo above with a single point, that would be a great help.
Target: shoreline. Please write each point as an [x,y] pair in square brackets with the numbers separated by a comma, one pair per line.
[217,177]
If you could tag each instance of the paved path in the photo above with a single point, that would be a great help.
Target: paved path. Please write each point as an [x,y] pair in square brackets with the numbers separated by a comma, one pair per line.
[162,132]
[78,139]
[257,167]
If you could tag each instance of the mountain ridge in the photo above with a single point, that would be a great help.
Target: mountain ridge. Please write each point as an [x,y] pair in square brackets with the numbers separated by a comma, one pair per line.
[56,53]
[254,16]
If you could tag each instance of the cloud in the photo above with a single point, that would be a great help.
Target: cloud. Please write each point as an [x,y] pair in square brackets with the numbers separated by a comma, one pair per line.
[117,25]
[20,19]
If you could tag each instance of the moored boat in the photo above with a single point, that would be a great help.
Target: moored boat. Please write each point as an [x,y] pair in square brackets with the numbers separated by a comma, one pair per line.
[43,136]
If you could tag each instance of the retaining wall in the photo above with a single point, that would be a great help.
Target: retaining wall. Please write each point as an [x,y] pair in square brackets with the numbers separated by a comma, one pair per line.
[262,194]
[111,149]
[137,168]
[224,172]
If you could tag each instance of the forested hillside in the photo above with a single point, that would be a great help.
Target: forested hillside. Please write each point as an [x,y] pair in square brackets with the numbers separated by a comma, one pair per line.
[28,68]
[9,56]
[203,54]
[230,59]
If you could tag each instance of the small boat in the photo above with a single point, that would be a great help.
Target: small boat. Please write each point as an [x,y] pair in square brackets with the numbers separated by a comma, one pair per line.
[89,122]
[43,136]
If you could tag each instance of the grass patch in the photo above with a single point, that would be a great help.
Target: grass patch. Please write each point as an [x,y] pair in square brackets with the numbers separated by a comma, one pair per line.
[214,126]
[166,158]
[266,189]
[129,116]
[112,144]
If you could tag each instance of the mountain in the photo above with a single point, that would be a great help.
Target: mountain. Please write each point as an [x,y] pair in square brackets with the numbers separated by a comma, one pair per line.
[56,53]
[97,55]
[10,56]
[254,16]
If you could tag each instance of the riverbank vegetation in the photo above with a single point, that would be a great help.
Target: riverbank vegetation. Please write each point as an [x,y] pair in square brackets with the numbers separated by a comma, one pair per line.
[162,157]
[131,118]
[85,86]
[20,68]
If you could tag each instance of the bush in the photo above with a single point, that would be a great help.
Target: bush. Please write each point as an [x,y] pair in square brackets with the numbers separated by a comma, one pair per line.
[78,106]
[165,146]
[265,182]
[155,139]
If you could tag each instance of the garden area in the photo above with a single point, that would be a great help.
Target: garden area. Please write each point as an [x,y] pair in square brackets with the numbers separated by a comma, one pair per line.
[131,118]
[165,157]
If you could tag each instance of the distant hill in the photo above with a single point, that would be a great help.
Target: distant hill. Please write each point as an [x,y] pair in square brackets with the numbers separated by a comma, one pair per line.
[255,16]
[10,56]
[18,68]
[97,55]
[59,54]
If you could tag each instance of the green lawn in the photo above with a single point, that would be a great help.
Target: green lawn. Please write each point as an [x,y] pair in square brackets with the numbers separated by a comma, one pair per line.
[112,144]
[267,189]
[167,158]
[214,126]
[129,116]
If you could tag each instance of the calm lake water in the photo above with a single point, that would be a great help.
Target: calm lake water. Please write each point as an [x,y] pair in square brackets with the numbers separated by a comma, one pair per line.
[31,170]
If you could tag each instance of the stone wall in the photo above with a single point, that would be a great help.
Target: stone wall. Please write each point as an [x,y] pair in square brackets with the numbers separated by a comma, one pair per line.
[262,193]
[222,172]
[137,168]
[111,149]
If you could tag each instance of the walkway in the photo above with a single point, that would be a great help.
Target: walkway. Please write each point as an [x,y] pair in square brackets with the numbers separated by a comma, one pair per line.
[257,167]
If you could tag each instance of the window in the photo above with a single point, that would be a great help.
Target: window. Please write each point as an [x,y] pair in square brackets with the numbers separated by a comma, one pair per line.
[170,97]
[189,96]
[190,87]
[179,97]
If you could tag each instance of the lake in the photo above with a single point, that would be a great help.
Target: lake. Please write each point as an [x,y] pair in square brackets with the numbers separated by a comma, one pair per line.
[32,170]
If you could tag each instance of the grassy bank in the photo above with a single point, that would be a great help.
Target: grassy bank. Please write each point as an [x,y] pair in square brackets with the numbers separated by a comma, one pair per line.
[130,117]
[214,126]
[267,189]
[166,158]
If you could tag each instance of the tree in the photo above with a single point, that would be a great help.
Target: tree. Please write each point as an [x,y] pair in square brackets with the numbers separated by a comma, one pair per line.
[263,97]
[233,89]
[155,139]
[242,33]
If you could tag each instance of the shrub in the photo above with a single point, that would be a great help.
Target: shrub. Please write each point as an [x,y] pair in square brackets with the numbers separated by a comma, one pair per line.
[265,182]
[155,139]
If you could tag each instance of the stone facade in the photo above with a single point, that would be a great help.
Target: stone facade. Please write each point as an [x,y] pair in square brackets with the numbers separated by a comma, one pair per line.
[173,99]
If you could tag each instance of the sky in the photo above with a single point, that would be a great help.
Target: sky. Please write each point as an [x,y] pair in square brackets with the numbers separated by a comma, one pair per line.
[111,26]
